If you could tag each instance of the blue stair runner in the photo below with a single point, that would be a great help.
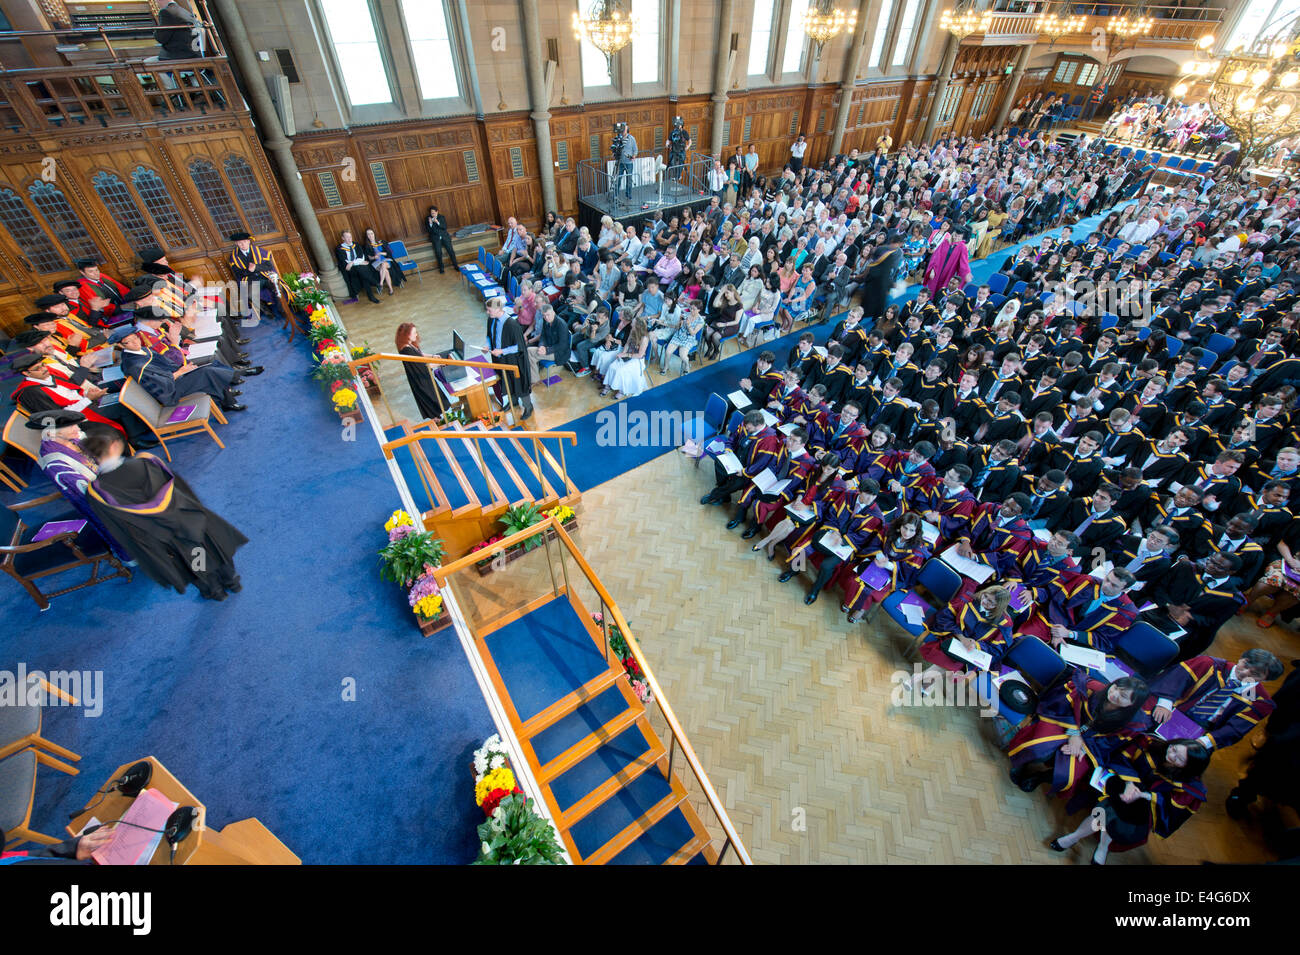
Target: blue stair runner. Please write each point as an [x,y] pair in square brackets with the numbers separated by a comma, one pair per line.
[542,658]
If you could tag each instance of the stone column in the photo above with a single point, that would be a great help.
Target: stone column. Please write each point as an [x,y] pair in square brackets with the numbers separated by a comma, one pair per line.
[941,86]
[1017,73]
[240,47]
[721,58]
[538,94]
[850,78]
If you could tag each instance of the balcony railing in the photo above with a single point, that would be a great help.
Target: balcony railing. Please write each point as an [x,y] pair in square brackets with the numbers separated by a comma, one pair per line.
[1173,25]
[123,93]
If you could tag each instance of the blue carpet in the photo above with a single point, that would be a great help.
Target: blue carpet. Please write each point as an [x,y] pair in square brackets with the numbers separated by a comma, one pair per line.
[609,446]
[243,700]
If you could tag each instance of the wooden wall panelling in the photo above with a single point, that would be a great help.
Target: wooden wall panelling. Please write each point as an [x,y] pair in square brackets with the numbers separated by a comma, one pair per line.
[512,164]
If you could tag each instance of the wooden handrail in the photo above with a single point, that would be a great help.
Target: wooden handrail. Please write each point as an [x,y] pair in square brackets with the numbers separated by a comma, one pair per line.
[430,360]
[674,725]
[390,446]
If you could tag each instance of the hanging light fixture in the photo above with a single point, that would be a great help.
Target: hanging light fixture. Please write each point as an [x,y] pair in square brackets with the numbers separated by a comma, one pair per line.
[1055,26]
[964,20]
[1126,26]
[608,27]
[1253,90]
[823,22]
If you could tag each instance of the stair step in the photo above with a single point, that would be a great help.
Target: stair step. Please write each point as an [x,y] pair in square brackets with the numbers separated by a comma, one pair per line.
[628,802]
[514,484]
[602,775]
[570,702]
[672,840]
[526,468]
[550,467]
[406,463]
[487,491]
[587,745]
[576,726]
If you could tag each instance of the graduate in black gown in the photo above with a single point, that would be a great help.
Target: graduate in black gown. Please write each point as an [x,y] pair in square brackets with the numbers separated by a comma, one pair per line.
[428,396]
[159,519]
[879,278]
[506,340]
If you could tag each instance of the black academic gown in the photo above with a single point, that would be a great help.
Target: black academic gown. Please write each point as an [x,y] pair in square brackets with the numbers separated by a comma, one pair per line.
[428,396]
[160,520]
[512,333]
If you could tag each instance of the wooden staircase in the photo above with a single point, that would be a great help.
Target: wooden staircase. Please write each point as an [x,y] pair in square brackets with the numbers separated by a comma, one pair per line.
[464,486]
[604,772]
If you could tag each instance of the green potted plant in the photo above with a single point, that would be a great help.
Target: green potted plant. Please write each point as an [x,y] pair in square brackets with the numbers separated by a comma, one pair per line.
[515,835]
[520,517]
[405,557]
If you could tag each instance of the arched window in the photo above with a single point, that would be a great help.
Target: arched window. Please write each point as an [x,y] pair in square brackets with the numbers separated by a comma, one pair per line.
[117,198]
[158,203]
[63,222]
[215,198]
[28,235]
[249,195]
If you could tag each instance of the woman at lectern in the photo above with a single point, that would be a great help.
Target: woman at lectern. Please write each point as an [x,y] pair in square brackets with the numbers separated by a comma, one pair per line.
[428,396]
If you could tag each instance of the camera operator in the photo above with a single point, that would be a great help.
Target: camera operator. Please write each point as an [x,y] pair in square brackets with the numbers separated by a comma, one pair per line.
[624,149]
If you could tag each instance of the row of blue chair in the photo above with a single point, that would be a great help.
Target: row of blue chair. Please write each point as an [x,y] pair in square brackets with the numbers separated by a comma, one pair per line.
[1143,648]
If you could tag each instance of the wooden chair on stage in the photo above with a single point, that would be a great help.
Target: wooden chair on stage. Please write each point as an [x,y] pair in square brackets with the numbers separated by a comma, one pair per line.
[144,406]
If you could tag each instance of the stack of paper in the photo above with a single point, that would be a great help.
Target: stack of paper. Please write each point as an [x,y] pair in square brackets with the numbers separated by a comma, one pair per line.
[929,532]
[973,569]
[913,609]
[799,512]
[978,658]
[739,399]
[198,350]
[843,550]
[1042,534]
[1101,570]
[730,463]
[768,484]
[769,419]
[1083,656]
[133,845]
[787,428]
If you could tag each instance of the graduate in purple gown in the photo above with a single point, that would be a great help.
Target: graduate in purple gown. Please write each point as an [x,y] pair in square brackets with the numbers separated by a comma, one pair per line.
[65,463]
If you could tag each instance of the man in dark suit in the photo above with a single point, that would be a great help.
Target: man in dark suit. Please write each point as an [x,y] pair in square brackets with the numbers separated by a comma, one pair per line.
[436,227]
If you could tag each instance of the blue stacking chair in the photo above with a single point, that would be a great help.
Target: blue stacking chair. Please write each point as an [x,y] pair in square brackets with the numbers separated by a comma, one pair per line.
[1164,258]
[1220,344]
[1226,367]
[1146,649]
[403,259]
[1110,148]
[1144,333]
[1045,297]
[1109,320]
[1175,345]
[1208,360]
[1204,167]
[1187,165]
[942,583]
[1126,152]
[715,416]
[1039,663]
[1019,289]
[1114,244]
[998,282]
[1140,155]
[997,299]
[971,289]
[473,270]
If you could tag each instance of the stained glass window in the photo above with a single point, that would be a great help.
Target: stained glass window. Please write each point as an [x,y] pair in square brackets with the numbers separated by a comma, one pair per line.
[158,203]
[121,205]
[63,222]
[249,195]
[215,198]
[28,235]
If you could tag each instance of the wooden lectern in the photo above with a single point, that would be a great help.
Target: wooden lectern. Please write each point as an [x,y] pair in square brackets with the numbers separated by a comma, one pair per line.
[241,843]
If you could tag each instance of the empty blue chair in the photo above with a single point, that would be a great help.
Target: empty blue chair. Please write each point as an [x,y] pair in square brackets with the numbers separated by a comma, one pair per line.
[1164,258]
[1045,297]
[1220,344]
[1187,165]
[1140,155]
[403,258]
[1146,649]
[1109,320]
[997,300]
[1019,289]
[1114,244]
[971,289]
[1126,152]
[1208,360]
[715,416]
[1204,167]
[1175,345]
[998,282]
[1041,666]
[1144,333]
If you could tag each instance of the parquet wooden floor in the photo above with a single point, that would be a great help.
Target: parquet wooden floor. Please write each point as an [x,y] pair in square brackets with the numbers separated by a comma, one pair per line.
[787,705]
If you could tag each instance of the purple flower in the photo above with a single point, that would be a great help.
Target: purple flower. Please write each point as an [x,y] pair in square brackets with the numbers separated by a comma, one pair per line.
[425,586]
[399,531]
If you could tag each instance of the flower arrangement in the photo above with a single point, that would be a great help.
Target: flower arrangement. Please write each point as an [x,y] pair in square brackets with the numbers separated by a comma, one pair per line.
[514,833]
[365,372]
[618,643]
[324,336]
[345,399]
[520,517]
[399,518]
[561,512]
[305,293]
[481,545]
[409,555]
[425,599]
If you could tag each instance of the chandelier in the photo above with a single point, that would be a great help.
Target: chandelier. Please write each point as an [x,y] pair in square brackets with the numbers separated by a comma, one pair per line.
[822,22]
[1058,25]
[1131,26]
[1254,90]
[608,27]
[964,20]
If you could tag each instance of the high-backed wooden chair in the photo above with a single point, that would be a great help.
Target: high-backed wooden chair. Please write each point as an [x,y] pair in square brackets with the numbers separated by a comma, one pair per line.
[18,796]
[18,435]
[139,402]
[28,562]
